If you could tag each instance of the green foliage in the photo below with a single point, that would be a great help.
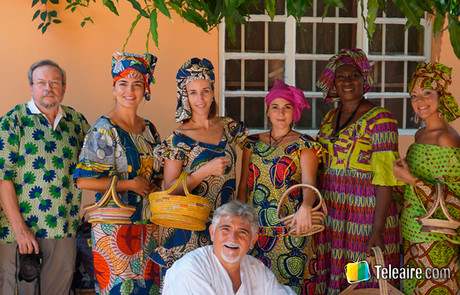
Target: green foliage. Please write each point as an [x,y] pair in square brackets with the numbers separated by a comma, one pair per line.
[207,14]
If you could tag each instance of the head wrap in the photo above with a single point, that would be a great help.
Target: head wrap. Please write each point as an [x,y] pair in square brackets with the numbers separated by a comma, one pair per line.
[437,76]
[293,95]
[129,65]
[193,69]
[347,56]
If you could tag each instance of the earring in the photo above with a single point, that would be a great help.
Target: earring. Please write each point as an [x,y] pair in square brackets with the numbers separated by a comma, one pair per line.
[416,119]
[440,115]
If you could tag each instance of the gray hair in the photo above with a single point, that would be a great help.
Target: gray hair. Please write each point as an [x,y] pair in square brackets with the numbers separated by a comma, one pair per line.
[42,63]
[237,209]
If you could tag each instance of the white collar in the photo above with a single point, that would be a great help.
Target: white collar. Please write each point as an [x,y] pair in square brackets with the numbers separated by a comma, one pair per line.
[35,110]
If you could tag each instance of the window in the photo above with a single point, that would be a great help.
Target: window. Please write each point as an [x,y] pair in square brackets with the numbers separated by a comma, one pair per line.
[297,54]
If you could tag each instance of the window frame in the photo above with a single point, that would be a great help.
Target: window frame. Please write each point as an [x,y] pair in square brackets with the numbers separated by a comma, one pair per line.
[290,57]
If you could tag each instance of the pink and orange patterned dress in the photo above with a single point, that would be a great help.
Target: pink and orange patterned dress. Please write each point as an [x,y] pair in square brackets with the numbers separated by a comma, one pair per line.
[355,164]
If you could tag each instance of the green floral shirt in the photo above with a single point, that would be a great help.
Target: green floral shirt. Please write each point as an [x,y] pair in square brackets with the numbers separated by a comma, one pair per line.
[40,161]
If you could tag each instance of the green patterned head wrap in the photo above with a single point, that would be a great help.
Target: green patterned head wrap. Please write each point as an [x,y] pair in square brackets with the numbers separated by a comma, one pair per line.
[437,76]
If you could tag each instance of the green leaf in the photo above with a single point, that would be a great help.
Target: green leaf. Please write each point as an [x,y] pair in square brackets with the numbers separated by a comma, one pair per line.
[36,14]
[195,18]
[335,3]
[270,6]
[372,10]
[138,7]
[43,15]
[83,23]
[297,8]
[53,13]
[45,27]
[175,7]
[138,17]
[382,5]
[57,21]
[44,1]
[454,32]
[34,2]
[162,7]
[233,4]
[110,5]
[73,9]
[437,24]
[230,25]
[410,10]
[154,26]
[324,13]
[54,1]
[40,26]
[426,5]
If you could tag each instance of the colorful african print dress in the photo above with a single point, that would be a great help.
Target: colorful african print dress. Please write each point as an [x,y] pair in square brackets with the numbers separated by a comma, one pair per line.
[359,160]
[121,260]
[272,170]
[219,189]
[431,164]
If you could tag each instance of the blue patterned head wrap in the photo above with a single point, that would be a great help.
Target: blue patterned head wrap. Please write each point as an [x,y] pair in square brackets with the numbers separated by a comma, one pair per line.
[129,65]
[193,69]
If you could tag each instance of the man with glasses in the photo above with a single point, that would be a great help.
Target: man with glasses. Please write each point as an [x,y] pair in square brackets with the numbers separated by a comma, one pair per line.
[40,142]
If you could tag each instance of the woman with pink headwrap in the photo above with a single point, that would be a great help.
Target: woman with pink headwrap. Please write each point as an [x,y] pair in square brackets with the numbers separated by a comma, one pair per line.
[272,162]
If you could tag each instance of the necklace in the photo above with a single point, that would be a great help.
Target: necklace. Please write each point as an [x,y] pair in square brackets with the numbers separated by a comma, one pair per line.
[276,141]
[335,134]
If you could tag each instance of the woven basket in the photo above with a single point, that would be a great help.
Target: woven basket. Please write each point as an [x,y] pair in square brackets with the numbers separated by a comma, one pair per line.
[189,212]
[384,287]
[317,217]
[110,208]
[429,224]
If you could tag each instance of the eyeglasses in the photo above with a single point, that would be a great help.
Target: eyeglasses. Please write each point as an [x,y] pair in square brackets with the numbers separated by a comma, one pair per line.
[53,83]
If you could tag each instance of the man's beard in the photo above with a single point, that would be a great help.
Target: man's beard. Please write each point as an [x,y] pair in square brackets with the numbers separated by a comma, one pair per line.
[230,258]
[49,105]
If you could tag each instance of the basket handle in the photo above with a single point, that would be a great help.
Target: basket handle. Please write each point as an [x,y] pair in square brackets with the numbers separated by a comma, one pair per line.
[384,288]
[182,178]
[294,187]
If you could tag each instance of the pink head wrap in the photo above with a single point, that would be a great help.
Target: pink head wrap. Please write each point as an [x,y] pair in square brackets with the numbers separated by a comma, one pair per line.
[293,95]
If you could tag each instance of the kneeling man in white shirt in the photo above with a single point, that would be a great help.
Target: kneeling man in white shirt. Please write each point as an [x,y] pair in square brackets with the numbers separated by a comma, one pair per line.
[224,268]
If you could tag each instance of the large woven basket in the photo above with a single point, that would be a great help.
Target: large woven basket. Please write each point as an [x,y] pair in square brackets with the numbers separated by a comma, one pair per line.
[384,287]
[189,212]
[110,208]
[317,217]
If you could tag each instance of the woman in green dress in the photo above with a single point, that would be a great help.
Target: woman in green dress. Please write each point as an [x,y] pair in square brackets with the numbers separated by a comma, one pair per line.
[433,158]
[274,161]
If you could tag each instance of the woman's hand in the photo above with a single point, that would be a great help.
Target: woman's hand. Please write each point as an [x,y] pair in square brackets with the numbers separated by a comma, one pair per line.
[302,218]
[376,239]
[142,186]
[216,166]
[401,171]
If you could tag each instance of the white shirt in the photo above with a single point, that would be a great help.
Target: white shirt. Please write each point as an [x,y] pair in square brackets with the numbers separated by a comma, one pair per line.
[200,272]
[35,110]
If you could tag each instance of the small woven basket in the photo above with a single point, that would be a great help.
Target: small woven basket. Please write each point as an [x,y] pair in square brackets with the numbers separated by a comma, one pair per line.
[430,224]
[317,217]
[110,208]
[189,212]
[384,287]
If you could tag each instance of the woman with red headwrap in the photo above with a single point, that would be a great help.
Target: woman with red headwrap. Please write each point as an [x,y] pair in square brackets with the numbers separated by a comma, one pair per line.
[356,180]
[273,161]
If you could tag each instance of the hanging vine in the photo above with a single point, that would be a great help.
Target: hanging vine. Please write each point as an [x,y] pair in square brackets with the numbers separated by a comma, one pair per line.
[207,14]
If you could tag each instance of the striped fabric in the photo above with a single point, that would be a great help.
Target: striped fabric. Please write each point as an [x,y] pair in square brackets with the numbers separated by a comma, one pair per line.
[358,161]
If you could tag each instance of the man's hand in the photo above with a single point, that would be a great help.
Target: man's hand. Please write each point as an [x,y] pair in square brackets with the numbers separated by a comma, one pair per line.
[26,240]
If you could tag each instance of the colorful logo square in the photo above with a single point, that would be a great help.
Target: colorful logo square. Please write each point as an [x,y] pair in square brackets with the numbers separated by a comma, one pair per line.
[357,272]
